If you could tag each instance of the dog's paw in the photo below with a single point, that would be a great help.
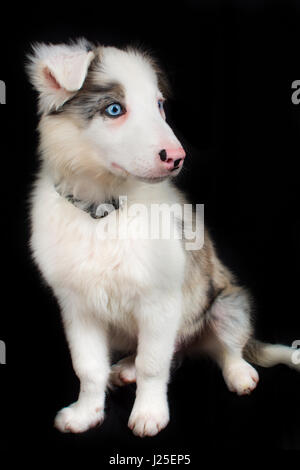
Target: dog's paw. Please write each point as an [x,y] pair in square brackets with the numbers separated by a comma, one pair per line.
[77,418]
[123,372]
[148,420]
[241,377]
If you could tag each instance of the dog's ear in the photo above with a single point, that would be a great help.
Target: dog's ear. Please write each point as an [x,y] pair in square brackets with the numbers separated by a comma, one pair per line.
[58,71]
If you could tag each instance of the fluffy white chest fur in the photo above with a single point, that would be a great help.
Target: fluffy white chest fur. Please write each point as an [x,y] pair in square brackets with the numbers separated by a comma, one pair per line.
[103,134]
[109,275]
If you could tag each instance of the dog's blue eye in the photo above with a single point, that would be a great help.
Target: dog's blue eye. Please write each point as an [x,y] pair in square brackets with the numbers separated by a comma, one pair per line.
[160,105]
[114,110]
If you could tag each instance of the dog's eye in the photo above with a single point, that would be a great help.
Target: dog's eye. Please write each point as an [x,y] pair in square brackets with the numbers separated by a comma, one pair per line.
[160,105]
[114,110]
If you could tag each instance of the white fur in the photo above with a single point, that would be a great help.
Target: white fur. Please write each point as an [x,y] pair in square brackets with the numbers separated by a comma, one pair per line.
[58,71]
[130,294]
[110,291]
[99,291]
[134,144]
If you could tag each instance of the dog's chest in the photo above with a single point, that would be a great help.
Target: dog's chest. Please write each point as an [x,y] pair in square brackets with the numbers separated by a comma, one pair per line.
[110,273]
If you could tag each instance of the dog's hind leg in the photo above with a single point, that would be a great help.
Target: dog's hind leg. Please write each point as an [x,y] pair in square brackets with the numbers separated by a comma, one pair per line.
[228,331]
[123,372]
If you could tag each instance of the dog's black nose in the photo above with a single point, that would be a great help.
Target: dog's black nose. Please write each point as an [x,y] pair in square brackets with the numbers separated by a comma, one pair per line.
[163,155]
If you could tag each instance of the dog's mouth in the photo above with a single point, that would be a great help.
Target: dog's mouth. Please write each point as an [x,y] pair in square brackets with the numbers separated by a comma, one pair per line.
[151,180]
[146,179]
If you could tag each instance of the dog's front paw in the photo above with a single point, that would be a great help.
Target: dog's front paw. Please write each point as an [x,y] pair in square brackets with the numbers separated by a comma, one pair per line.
[78,418]
[148,419]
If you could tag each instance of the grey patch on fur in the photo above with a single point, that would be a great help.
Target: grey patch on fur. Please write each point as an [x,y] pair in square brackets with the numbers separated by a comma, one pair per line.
[230,319]
[95,96]
[212,295]
[93,99]
[252,350]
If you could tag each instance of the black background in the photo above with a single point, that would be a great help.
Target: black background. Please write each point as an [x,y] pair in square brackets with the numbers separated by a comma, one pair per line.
[231,66]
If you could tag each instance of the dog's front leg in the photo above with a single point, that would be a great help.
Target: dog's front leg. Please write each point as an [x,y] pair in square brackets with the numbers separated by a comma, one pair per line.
[88,346]
[158,321]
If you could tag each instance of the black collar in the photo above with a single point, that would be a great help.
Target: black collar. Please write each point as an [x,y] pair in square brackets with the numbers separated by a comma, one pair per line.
[94,209]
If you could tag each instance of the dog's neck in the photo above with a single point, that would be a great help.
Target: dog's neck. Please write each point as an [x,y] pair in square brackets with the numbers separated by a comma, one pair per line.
[89,188]
[90,191]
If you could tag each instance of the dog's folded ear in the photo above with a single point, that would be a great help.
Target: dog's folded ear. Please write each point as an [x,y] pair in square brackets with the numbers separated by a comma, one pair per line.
[58,71]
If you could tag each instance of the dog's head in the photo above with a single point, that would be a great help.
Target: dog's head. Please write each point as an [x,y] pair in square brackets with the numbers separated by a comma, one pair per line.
[109,101]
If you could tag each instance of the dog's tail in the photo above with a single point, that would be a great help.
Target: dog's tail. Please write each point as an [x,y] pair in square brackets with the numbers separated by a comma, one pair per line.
[268,355]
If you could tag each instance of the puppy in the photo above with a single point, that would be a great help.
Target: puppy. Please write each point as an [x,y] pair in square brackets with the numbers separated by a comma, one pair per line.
[104,137]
